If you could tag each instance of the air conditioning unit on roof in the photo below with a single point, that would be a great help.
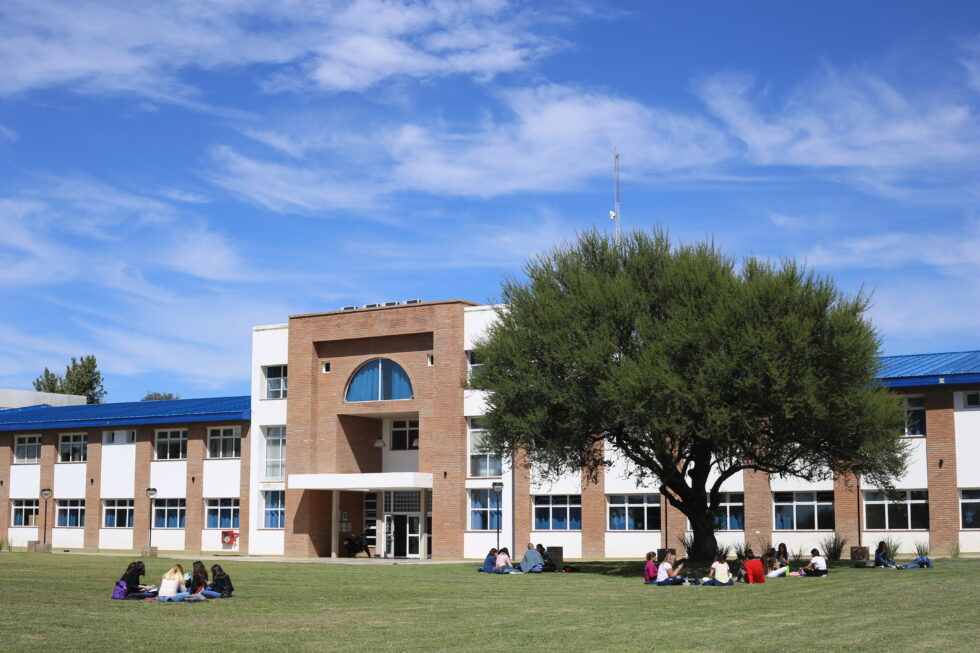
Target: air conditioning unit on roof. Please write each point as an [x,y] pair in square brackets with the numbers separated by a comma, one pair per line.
[372,305]
[349,308]
[414,301]
[392,303]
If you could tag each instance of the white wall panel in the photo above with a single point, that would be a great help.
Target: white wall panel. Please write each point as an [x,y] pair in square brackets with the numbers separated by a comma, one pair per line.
[169,477]
[266,542]
[571,543]
[67,538]
[906,539]
[168,539]
[631,544]
[477,545]
[474,403]
[116,538]
[222,478]
[570,483]
[21,536]
[966,421]
[618,479]
[69,480]
[793,484]
[398,461]
[475,322]
[119,471]
[970,541]
[25,481]
[916,472]
[211,541]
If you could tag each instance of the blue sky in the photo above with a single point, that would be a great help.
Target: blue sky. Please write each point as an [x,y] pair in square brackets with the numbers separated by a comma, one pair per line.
[173,173]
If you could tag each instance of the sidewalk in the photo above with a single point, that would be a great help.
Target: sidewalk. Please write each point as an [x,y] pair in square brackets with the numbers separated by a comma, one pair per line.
[177,555]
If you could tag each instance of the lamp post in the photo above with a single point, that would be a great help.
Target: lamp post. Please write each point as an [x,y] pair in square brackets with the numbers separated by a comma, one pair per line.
[151,492]
[45,494]
[498,487]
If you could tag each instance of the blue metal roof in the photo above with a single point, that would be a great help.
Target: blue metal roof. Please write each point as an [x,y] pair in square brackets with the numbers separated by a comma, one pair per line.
[930,369]
[215,409]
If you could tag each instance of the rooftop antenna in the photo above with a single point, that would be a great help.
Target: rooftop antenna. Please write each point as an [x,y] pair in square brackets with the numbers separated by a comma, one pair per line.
[614,214]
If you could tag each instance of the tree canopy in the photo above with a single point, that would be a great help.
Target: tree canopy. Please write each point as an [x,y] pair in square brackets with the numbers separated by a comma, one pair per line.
[82,377]
[688,365]
[160,396]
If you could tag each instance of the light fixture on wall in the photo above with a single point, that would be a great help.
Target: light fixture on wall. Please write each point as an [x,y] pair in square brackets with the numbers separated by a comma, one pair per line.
[379,443]
[151,493]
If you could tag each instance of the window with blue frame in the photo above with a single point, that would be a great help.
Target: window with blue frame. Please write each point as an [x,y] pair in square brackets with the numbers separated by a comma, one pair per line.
[634,512]
[559,512]
[730,513]
[169,513]
[118,513]
[222,513]
[379,380]
[275,509]
[71,513]
[484,510]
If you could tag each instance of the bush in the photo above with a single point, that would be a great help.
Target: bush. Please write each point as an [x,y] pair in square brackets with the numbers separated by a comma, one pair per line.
[687,543]
[954,551]
[833,546]
[723,549]
[891,545]
[922,548]
[799,556]
[739,549]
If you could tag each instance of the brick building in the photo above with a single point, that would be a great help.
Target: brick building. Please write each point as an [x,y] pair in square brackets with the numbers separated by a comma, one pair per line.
[358,422]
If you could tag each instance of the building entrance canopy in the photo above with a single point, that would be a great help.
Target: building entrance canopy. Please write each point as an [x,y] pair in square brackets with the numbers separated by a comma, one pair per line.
[361,482]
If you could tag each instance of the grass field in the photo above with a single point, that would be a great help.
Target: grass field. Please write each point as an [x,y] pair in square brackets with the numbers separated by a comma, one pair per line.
[60,603]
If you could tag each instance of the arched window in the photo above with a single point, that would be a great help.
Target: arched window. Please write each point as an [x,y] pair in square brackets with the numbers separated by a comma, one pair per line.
[380,379]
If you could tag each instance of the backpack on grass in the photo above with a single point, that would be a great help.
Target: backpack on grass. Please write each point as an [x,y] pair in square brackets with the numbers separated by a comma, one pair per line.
[119,592]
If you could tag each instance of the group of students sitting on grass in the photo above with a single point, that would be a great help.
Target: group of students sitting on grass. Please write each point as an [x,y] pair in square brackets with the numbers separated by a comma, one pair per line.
[175,584]
[536,559]
[774,563]
[884,560]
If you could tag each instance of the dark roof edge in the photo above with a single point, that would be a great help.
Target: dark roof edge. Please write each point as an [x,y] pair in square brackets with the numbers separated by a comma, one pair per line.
[244,415]
[467,302]
[946,379]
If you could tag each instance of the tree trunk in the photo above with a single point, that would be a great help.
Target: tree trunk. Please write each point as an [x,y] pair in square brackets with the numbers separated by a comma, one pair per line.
[705,545]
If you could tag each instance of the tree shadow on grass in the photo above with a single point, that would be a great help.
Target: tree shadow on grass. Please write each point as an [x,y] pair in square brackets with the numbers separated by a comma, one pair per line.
[610,567]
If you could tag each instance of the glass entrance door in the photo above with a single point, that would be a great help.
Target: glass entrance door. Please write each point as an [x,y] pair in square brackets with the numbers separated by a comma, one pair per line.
[413,533]
[403,534]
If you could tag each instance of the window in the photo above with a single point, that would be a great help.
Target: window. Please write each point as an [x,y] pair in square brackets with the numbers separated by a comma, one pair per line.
[379,380]
[71,513]
[484,510]
[275,381]
[171,445]
[118,513]
[481,464]
[371,518]
[901,510]
[915,415]
[73,449]
[634,512]
[275,509]
[558,512]
[970,508]
[118,437]
[804,511]
[275,453]
[404,434]
[222,513]
[971,399]
[225,442]
[730,514]
[24,512]
[27,449]
[169,513]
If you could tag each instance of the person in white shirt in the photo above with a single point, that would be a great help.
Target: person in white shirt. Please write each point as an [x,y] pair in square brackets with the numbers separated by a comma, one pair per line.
[817,565]
[667,575]
[719,572]
[172,585]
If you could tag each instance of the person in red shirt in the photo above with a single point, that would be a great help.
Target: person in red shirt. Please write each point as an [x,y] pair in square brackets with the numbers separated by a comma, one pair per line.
[753,568]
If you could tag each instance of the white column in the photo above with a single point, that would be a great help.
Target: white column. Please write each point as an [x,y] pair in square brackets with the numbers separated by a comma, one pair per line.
[334,523]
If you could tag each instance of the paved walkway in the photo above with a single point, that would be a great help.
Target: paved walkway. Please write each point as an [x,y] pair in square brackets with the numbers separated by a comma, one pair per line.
[246,558]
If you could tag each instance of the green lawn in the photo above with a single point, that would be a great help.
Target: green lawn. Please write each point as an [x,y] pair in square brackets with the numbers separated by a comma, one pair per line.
[60,602]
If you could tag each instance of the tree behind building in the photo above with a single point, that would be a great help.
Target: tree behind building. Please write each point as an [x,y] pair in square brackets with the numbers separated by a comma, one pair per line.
[82,377]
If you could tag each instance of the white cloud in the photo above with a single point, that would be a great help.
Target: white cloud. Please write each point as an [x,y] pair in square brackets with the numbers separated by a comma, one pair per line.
[142,49]
[952,251]
[850,121]
[8,134]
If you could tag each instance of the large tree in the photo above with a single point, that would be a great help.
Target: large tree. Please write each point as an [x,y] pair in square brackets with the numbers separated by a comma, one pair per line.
[160,396]
[82,377]
[690,366]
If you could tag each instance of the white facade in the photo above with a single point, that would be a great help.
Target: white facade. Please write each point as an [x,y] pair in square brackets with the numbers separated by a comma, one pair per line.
[24,398]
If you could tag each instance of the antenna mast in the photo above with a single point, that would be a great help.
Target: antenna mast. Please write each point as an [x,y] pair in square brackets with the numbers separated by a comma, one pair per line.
[614,214]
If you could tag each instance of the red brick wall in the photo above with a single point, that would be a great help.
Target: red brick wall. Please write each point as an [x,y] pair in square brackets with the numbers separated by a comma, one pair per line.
[944,508]
[93,489]
[244,499]
[594,515]
[847,510]
[522,503]
[321,441]
[141,505]
[758,510]
[6,459]
[197,442]
[49,448]
[673,526]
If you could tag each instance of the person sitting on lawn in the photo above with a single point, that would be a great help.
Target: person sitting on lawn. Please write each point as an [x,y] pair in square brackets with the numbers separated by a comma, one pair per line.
[220,587]
[720,574]
[172,585]
[490,562]
[199,578]
[882,557]
[667,574]
[650,569]
[771,566]
[503,562]
[549,562]
[134,589]
[752,569]
[532,562]
[817,565]
[782,554]
[920,562]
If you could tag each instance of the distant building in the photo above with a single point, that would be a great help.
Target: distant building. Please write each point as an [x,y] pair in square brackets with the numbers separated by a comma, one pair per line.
[358,423]
[22,398]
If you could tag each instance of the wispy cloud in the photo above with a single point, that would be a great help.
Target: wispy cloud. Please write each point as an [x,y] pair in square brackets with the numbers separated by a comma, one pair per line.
[142,49]
[8,134]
